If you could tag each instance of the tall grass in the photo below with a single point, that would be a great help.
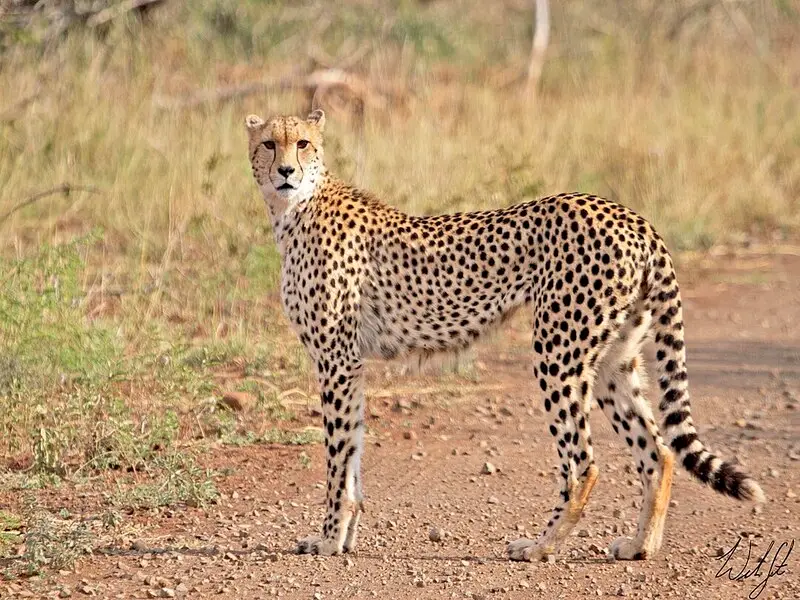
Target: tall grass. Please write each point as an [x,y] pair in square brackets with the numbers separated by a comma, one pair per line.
[691,119]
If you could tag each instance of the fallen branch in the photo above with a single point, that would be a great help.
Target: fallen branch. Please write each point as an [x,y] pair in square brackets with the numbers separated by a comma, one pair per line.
[106,15]
[322,59]
[700,9]
[323,78]
[64,188]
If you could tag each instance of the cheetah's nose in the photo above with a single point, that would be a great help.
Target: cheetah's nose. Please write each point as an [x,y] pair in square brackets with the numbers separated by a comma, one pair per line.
[286,170]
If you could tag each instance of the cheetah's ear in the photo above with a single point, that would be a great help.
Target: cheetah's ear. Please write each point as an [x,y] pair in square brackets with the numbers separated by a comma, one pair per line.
[317,117]
[254,123]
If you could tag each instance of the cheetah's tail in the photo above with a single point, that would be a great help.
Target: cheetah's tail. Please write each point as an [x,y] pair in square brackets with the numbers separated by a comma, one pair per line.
[678,428]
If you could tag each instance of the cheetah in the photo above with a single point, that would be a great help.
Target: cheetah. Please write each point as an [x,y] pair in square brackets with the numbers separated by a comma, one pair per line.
[360,279]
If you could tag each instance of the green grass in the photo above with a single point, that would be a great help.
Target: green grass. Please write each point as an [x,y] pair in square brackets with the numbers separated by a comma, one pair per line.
[82,394]
[176,479]
[292,438]
[10,532]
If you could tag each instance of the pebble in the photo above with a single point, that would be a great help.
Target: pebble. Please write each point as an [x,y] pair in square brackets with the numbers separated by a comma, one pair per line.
[488,468]
[493,500]
[409,435]
[435,534]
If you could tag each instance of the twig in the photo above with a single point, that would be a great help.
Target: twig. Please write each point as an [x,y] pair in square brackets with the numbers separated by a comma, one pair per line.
[64,188]
[541,37]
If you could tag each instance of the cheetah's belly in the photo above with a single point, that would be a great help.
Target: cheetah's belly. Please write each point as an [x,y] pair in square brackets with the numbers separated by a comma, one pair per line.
[407,314]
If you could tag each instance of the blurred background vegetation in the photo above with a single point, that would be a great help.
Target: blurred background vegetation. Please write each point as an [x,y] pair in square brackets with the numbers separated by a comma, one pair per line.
[137,271]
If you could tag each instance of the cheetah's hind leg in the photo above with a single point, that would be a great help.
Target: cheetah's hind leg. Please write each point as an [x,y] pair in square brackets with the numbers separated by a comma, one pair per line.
[565,402]
[618,389]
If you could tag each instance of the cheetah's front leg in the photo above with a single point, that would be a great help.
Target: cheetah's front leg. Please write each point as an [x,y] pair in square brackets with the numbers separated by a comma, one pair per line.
[342,418]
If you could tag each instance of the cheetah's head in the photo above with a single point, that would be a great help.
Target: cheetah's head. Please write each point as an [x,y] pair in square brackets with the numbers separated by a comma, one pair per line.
[287,157]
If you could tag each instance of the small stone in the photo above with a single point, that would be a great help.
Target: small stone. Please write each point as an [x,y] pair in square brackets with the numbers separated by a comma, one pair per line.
[488,468]
[152,594]
[583,533]
[622,591]
[673,503]
[167,592]
[409,435]
[181,588]
[493,500]
[435,534]
[794,452]
[65,592]
[401,406]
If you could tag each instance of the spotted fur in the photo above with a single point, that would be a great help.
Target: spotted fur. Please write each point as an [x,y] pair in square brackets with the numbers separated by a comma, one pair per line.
[361,279]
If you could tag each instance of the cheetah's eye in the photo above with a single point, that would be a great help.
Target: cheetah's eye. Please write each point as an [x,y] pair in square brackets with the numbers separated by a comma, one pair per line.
[302,144]
[270,145]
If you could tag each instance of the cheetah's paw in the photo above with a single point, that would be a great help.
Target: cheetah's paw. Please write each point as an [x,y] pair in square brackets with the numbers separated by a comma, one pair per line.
[314,544]
[530,550]
[627,549]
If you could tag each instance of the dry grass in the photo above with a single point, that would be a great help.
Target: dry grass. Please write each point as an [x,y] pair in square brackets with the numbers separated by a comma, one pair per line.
[701,133]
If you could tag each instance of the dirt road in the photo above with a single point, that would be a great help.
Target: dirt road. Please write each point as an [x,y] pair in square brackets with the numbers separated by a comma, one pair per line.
[429,438]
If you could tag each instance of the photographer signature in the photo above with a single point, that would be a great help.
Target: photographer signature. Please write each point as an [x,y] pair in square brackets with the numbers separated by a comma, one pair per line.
[777,566]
